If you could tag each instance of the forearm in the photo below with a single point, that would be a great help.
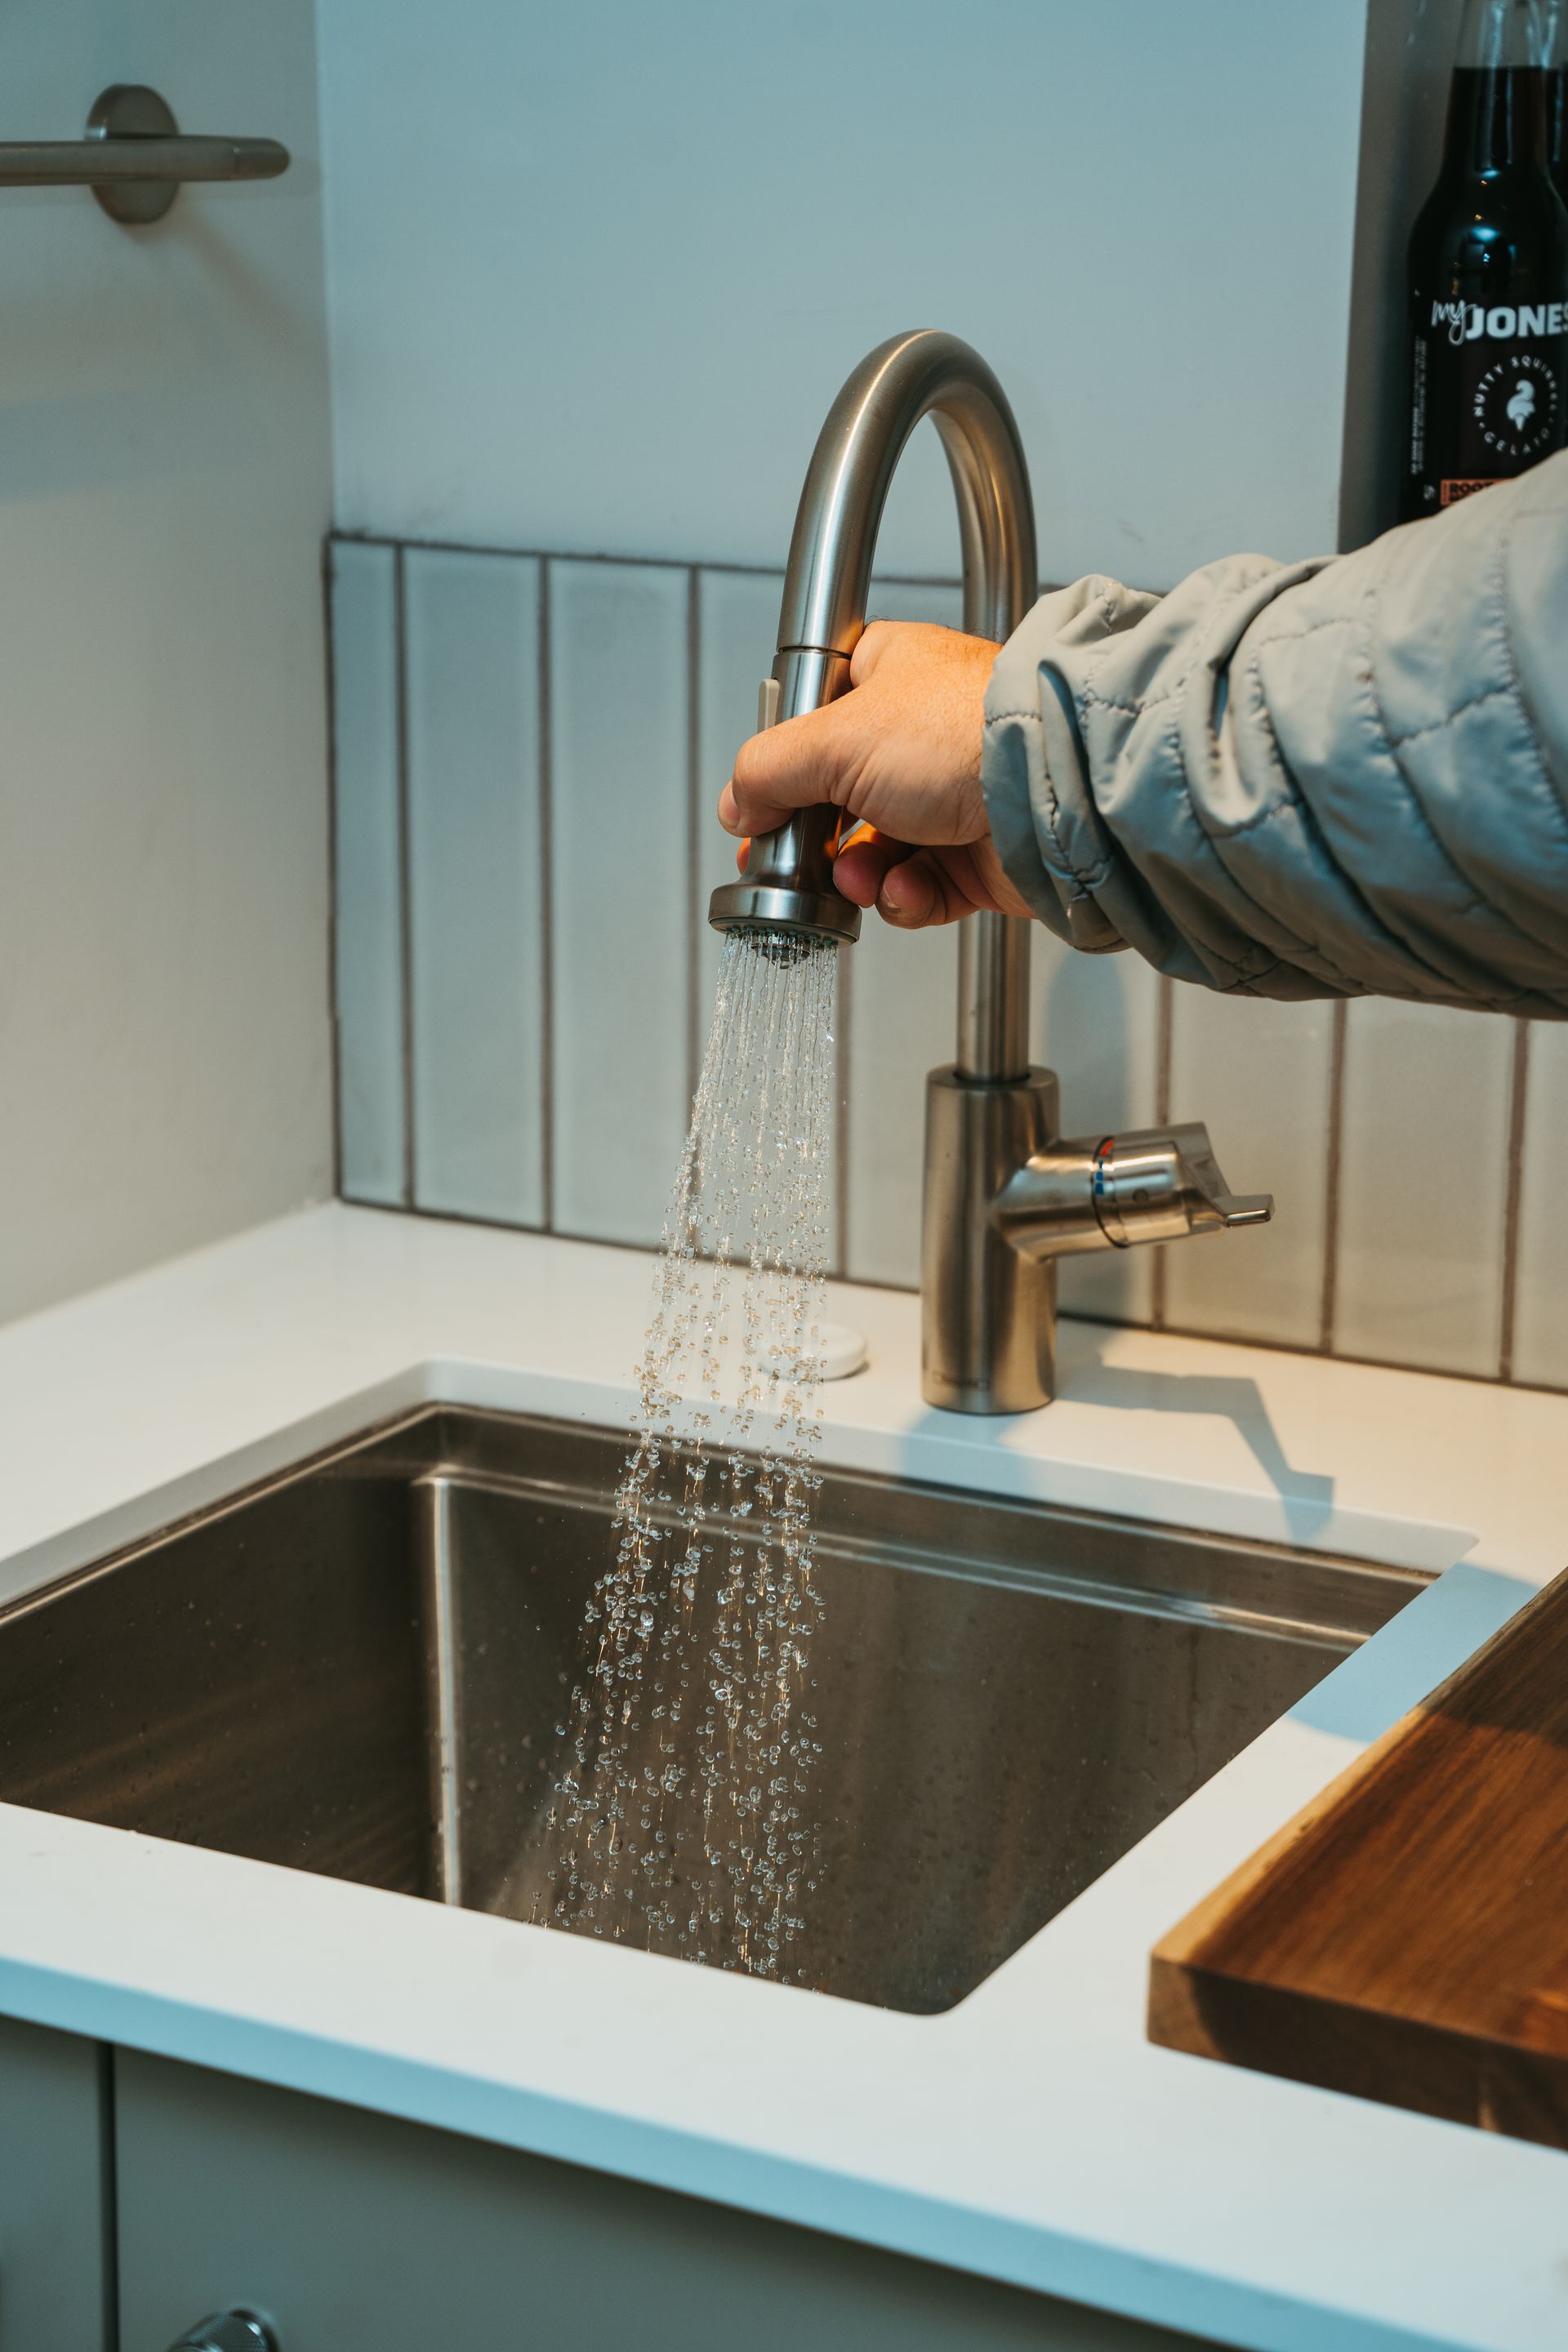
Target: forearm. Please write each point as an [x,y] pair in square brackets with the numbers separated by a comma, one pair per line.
[1330,779]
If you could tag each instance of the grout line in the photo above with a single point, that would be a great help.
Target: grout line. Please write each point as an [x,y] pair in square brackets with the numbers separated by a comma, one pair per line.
[1219,1337]
[546,908]
[1164,1018]
[1519,1102]
[404,878]
[1330,1301]
[333,1016]
[657,562]
[910,1289]
[694,915]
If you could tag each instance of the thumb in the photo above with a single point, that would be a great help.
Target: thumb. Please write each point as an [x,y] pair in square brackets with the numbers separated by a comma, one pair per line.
[799,763]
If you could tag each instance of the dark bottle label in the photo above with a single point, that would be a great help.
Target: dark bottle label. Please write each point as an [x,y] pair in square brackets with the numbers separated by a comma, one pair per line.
[1490,395]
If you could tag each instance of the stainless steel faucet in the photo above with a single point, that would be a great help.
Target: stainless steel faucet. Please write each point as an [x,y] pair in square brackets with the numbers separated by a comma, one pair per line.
[1005,1195]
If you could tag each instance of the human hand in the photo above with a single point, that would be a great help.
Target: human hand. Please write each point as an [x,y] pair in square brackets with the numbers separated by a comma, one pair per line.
[899,752]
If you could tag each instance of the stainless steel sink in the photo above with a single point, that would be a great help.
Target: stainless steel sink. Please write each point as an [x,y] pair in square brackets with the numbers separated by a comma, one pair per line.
[358,1669]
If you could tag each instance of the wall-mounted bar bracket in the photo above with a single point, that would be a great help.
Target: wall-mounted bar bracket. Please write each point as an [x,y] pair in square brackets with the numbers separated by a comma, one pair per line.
[133,157]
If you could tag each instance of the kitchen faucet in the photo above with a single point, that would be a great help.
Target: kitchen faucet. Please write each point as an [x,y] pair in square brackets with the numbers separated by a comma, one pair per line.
[1005,1195]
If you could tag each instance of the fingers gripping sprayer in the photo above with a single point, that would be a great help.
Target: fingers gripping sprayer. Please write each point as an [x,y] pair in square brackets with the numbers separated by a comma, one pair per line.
[1004,1197]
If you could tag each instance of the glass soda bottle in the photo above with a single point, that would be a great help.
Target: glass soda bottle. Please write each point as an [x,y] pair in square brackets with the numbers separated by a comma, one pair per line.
[1488,275]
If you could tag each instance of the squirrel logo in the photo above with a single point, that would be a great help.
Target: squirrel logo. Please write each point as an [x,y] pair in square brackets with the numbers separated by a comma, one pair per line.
[1515,409]
[1522,407]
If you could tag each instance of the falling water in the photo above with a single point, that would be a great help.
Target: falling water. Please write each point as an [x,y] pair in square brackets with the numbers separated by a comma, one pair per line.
[684,1815]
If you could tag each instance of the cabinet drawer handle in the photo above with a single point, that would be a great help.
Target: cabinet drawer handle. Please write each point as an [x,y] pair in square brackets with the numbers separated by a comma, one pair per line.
[227,2331]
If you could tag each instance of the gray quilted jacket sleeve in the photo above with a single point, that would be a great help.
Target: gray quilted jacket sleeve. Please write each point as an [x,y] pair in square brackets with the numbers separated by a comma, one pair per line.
[1340,778]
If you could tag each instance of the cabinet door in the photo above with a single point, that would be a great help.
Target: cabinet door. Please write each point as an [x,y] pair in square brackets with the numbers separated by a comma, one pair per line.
[54,2191]
[348,2231]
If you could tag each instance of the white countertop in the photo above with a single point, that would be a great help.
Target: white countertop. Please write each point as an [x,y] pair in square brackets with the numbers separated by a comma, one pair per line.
[1030,2133]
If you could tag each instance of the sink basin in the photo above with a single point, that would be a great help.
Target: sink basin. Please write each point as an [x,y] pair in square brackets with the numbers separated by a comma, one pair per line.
[358,1669]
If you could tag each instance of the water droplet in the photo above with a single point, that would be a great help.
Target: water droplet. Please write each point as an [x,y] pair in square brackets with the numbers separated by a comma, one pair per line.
[738,1306]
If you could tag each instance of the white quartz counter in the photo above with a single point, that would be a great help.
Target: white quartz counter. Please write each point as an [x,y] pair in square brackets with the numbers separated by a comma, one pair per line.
[1030,2133]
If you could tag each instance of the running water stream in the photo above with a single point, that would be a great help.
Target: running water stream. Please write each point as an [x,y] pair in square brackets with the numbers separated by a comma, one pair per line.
[684,1816]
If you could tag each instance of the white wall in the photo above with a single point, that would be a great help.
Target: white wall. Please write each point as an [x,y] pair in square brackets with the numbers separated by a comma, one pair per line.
[596,271]
[164,1034]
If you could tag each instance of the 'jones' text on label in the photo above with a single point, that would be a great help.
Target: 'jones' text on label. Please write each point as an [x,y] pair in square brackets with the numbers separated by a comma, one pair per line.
[1467,321]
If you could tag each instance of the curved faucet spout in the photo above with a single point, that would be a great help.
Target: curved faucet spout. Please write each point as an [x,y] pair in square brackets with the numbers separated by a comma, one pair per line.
[788,878]
[1004,1196]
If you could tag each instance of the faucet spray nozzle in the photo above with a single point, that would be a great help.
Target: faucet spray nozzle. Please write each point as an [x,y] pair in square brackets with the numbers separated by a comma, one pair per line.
[783,915]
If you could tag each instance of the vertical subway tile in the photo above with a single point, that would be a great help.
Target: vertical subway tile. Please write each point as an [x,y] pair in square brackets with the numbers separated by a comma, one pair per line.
[903,1006]
[902,990]
[1259,1075]
[476,883]
[1423,1181]
[621,911]
[1541,1282]
[1094,1021]
[902,1016]
[940,601]
[738,621]
[368,878]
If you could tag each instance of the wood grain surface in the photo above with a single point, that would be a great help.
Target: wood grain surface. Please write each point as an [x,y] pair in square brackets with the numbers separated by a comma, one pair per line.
[1406,1936]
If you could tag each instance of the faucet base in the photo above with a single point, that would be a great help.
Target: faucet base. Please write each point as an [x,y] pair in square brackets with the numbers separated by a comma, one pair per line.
[988,1323]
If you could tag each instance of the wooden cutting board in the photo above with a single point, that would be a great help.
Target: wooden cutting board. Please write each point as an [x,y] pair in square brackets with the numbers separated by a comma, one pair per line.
[1405,1938]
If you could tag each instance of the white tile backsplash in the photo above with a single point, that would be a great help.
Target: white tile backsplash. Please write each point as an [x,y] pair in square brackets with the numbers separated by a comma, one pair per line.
[738,616]
[902,994]
[477,909]
[1258,1075]
[940,601]
[1541,1282]
[902,989]
[367,945]
[621,893]
[1095,1021]
[573,805]
[1423,1185]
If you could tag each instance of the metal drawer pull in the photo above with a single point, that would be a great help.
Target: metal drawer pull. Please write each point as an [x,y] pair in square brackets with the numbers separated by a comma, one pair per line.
[227,2331]
[134,158]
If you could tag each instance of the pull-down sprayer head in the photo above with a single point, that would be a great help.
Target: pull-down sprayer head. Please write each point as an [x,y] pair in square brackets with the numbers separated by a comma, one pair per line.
[788,879]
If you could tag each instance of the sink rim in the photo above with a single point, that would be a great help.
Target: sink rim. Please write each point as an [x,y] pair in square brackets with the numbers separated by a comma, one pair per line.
[1182,1536]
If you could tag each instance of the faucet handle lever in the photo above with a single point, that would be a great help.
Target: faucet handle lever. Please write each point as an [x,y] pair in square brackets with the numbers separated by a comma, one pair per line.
[1244,1208]
[1161,1183]
[768,694]
[1196,1153]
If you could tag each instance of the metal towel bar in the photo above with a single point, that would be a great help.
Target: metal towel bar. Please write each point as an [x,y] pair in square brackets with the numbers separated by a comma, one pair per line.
[133,157]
